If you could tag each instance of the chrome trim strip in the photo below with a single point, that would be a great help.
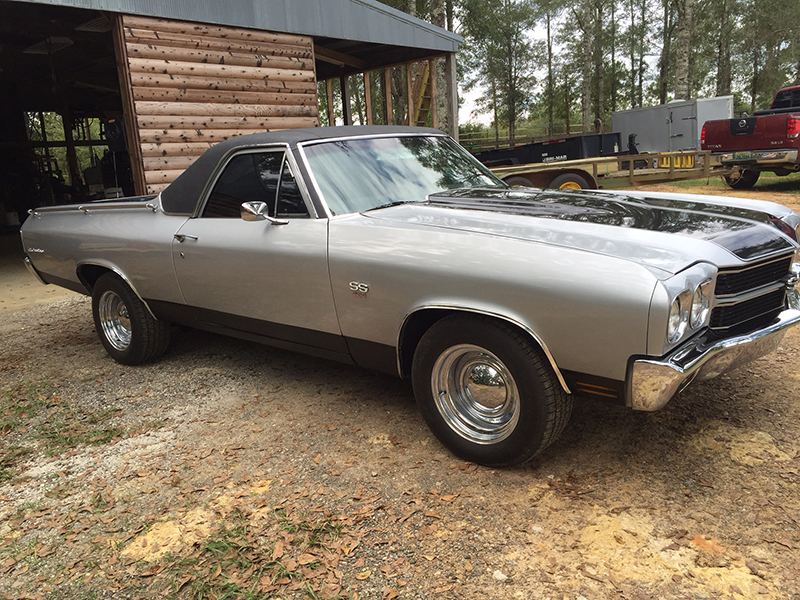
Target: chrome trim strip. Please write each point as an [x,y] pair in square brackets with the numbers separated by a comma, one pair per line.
[734,299]
[121,275]
[89,208]
[758,265]
[33,270]
[476,311]
[653,382]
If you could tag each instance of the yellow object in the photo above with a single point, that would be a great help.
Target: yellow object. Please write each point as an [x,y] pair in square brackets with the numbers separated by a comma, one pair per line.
[682,161]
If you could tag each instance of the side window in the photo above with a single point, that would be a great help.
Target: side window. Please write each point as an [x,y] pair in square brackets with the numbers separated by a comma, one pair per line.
[290,201]
[247,177]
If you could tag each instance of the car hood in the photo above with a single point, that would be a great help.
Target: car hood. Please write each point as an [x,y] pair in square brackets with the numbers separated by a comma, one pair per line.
[658,233]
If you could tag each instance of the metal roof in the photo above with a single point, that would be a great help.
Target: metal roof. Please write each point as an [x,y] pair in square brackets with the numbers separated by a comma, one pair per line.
[358,20]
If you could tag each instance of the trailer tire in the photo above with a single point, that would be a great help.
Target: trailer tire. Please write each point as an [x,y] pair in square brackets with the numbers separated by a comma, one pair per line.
[519,181]
[745,181]
[569,181]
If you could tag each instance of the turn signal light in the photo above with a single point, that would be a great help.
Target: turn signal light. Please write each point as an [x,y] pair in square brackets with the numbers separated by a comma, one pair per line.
[793,127]
[703,135]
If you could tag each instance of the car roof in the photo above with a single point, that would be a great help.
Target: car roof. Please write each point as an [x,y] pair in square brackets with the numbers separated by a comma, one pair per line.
[182,195]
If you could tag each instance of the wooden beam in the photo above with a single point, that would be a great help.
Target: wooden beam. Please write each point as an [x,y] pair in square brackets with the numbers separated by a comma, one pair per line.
[387,95]
[212,109]
[188,69]
[185,95]
[434,95]
[367,97]
[329,101]
[452,95]
[338,58]
[409,96]
[153,38]
[150,80]
[347,113]
[128,108]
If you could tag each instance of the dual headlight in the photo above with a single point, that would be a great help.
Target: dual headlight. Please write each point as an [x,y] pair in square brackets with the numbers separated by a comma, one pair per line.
[690,309]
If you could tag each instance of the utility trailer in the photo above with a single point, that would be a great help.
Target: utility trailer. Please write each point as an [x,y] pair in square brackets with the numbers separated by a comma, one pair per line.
[615,171]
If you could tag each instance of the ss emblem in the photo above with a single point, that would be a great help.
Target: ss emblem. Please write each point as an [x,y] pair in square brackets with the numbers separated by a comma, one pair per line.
[359,289]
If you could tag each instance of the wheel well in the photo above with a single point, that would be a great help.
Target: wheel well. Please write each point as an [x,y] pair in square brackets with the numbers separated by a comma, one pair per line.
[420,321]
[89,274]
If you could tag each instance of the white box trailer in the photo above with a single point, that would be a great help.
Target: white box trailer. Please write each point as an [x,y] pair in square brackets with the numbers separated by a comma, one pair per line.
[672,127]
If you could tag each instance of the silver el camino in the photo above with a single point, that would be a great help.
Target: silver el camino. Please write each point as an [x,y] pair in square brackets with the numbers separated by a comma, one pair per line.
[393,249]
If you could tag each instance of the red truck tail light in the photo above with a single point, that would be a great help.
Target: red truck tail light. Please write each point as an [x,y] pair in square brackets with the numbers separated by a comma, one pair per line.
[793,127]
[703,135]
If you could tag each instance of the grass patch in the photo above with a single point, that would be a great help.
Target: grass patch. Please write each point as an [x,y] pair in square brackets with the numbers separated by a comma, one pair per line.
[286,557]
[31,412]
[767,182]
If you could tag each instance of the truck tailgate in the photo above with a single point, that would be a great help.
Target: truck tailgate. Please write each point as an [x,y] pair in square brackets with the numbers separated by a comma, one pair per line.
[750,133]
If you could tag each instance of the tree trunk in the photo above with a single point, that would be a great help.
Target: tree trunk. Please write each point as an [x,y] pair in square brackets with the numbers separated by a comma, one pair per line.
[584,18]
[663,61]
[549,96]
[642,65]
[599,74]
[633,55]
[613,58]
[724,52]
[683,49]
[438,18]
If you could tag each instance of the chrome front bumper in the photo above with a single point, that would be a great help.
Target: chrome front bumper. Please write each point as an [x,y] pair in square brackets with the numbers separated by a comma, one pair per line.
[652,383]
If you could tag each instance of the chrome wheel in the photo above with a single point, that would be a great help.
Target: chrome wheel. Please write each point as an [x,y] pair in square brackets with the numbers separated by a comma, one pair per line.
[475,393]
[115,320]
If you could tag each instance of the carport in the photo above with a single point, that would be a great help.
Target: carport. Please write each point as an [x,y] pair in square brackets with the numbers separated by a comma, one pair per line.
[102,98]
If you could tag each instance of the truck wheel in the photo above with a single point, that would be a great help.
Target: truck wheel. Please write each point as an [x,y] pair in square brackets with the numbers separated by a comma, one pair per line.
[486,391]
[569,181]
[518,181]
[127,330]
[745,181]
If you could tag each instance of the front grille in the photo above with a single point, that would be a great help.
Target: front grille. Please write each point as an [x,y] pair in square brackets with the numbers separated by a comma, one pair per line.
[764,308]
[736,282]
[749,312]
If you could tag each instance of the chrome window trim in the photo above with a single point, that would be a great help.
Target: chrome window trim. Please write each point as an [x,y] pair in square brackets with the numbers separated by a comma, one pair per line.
[301,150]
[477,311]
[233,153]
[121,276]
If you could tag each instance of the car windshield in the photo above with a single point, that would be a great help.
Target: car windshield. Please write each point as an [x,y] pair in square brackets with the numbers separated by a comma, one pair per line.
[361,174]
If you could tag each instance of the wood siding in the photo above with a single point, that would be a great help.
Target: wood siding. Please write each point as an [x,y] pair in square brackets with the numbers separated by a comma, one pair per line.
[194,85]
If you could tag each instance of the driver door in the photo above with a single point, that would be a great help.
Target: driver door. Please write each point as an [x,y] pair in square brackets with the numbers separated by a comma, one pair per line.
[265,277]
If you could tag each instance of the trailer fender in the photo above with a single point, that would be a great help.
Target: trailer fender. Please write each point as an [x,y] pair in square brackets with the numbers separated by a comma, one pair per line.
[564,179]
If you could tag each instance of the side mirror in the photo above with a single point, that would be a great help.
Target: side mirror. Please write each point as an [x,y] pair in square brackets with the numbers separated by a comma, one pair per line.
[258,211]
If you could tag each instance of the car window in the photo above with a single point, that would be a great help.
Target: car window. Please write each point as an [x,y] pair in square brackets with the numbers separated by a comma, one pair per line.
[249,177]
[290,201]
[787,99]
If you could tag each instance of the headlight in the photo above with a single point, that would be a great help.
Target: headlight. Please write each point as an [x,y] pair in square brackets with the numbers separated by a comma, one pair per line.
[678,316]
[701,304]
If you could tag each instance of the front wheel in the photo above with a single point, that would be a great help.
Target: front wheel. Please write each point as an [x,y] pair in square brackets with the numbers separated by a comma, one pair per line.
[127,330]
[486,391]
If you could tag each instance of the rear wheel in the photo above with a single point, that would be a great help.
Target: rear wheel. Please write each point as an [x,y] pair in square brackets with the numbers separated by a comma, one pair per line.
[745,181]
[486,391]
[569,181]
[127,330]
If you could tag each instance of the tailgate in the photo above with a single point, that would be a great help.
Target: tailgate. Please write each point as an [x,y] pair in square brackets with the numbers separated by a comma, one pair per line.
[748,133]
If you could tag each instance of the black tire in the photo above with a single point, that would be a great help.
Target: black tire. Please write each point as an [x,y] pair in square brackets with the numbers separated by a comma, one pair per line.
[518,181]
[127,330]
[745,181]
[524,407]
[569,181]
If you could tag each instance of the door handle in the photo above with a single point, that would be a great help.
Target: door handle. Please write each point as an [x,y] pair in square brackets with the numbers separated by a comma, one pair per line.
[182,237]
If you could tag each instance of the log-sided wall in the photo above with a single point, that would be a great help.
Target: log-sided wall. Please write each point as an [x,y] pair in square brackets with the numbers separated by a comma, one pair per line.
[188,86]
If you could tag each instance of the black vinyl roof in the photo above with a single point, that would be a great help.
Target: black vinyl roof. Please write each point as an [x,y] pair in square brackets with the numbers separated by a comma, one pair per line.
[182,195]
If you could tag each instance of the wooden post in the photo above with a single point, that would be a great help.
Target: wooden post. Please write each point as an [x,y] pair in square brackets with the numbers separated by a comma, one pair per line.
[452,95]
[329,98]
[434,99]
[409,97]
[387,94]
[345,89]
[129,109]
[367,97]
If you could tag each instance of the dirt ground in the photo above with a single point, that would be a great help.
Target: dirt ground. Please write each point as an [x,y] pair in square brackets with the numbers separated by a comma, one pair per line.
[230,469]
